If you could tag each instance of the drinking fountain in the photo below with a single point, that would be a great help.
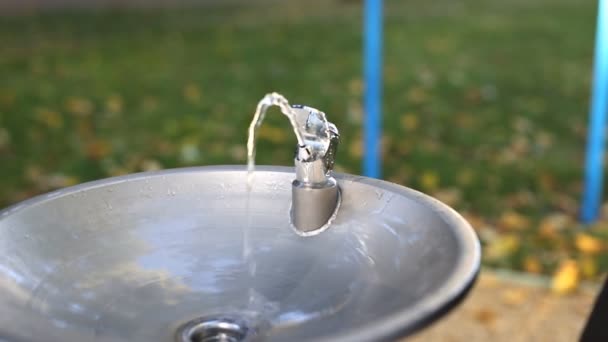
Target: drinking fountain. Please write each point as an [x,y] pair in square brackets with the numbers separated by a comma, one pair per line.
[221,253]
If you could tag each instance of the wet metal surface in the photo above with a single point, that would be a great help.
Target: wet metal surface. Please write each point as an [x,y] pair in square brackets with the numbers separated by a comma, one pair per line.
[134,258]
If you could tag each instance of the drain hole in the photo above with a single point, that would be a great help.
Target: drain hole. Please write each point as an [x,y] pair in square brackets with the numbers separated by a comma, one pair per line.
[213,329]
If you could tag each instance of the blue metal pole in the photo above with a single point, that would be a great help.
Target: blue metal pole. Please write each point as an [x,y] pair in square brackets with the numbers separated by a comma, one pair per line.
[592,195]
[373,87]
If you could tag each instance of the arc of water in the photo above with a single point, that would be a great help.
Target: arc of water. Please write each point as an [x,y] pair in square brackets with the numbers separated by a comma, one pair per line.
[276,99]
[272,99]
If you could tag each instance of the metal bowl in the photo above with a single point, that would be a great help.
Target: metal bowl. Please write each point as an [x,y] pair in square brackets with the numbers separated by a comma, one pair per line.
[190,255]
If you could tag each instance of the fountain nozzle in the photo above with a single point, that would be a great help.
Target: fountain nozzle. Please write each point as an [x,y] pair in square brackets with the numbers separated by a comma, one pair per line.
[315,194]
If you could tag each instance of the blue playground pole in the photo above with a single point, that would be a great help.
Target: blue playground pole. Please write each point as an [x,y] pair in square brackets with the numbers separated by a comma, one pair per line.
[592,195]
[373,88]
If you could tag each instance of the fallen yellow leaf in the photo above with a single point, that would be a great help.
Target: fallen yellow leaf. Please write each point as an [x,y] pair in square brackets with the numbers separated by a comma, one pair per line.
[449,196]
[485,316]
[522,124]
[589,267]
[50,118]
[588,244]
[465,177]
[98,149]
[544,139]
[150,165]
[532,265]
[409,122]
[546,181]
[513,221]
[502,247]
[566,278]
[520,145]
[192,93]
[429,180]
[551,224]
[114,104]
[520,198]
[417,95]
[514,297]
[475,221]
[566,203]
[59,180]
[118,171]
[79,106]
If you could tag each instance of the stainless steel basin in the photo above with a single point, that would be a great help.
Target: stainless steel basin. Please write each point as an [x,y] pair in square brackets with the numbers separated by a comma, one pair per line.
[138,258]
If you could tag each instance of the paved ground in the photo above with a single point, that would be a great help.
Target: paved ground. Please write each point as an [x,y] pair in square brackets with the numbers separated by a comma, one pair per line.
[507,310]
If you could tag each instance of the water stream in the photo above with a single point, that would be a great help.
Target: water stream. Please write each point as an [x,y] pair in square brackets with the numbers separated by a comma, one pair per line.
[311,129]
[312,135]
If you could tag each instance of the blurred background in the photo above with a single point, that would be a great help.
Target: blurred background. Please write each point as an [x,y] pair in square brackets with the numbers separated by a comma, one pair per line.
[485,106]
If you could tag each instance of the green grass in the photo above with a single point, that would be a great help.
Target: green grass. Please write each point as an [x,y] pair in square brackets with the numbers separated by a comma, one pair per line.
[485,102]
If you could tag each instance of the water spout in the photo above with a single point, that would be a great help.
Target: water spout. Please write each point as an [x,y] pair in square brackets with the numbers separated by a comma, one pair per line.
[315,194]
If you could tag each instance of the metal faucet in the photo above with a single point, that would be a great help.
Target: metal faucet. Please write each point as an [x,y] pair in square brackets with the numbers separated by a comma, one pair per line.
[315,193]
